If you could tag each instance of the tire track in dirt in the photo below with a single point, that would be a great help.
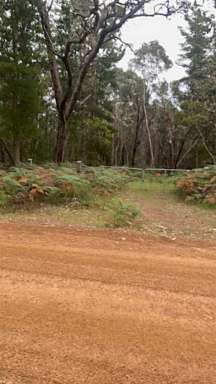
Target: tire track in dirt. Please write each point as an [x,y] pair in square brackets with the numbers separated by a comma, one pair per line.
[105,307]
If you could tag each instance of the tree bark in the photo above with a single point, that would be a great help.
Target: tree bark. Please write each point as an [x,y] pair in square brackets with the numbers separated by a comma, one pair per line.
[104,21]
[136,140]
[148,128]
[134,154]
[180,151]
[61,139]
[211,155]
[17,151]
[6,150]
[187,152]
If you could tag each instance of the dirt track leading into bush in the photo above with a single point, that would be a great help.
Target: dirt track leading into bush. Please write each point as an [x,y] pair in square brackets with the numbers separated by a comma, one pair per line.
[105,308]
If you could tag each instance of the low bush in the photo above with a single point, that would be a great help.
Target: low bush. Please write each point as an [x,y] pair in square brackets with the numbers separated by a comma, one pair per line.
[3,198]
[11,186]
[107,181]
[199,186]
[121,214]
[57,184]
[73,187]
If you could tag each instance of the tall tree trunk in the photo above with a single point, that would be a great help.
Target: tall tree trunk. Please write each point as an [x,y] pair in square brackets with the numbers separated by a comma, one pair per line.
[136,142]
[17,150]
[113,150]
[2,155]
[148,127]
[134,154]
[211,155]
[60,139]
[182,145]
[103,21]
[187,152]
[6,150]
[123,155]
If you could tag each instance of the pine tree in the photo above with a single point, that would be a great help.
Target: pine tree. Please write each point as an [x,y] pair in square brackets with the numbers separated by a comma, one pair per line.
[19,73]
[196,91]
[197,45]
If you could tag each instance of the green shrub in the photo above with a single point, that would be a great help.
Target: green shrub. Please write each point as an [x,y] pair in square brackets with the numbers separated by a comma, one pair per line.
[11,186]
[52,194]
[17,172]
[108,181]
[66,170]
[199,186]
[74,187]
[122,214]
[58,184]
[3,198]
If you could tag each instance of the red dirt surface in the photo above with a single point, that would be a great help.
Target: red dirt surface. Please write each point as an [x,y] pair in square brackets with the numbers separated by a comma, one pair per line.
[103,307]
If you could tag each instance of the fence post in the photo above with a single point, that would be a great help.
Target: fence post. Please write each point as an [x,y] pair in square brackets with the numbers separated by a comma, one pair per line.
[79,166]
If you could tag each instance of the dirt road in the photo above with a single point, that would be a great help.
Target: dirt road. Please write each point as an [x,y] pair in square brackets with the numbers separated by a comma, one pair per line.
[105,308]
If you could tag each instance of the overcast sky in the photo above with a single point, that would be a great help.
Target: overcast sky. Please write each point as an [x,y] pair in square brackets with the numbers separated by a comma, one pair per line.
[164,30]
[158,28]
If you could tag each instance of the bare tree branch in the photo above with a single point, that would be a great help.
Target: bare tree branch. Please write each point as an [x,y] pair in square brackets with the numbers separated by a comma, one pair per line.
[57,87]
[50,6]
[128,45]
[94,26]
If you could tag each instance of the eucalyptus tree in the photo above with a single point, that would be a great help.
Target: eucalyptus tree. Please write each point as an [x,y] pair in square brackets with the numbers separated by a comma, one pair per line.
[128,118]
[91,25]
[92,127]
[150,61]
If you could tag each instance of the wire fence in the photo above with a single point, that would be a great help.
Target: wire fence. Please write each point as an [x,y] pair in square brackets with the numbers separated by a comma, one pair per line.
[140,172]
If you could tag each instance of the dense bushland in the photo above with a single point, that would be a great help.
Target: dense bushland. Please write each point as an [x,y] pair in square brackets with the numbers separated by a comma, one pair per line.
[53,184]
[199,186]
[64,98]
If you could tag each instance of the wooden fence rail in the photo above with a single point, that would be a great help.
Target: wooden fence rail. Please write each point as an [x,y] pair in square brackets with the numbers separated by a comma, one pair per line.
[163,171]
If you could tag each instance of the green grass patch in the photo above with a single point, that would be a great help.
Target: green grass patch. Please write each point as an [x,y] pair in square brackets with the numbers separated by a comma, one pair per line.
[153,184]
